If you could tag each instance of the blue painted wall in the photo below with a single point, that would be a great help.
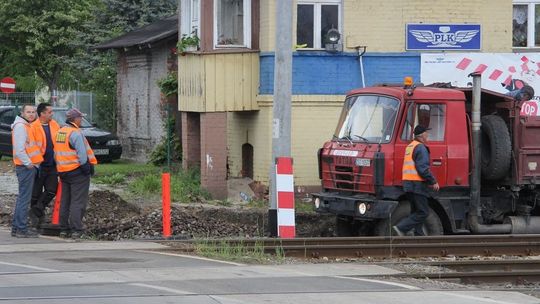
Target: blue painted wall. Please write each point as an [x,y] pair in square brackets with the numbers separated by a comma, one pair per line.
[323,73]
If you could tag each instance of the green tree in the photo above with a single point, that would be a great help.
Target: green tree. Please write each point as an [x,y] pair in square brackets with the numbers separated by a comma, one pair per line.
[44,35]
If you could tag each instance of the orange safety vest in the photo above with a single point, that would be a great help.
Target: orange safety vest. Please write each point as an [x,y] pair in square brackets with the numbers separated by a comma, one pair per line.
[66,157]
[39,133]
[409,172]
[30,146]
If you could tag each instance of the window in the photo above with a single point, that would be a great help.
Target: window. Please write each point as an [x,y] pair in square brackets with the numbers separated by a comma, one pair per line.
[232,23]
[313,21]
[190,15]
[368,118]
[526,23]
[428,115]
[7,117]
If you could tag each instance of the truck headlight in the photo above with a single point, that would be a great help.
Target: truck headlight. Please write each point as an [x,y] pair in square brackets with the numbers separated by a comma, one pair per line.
[362,208]
[317,203]
[113,142]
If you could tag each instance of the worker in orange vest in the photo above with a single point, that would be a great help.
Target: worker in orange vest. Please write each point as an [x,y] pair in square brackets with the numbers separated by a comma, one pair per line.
[27,158]
[417,179]
[75,163]
[46,183]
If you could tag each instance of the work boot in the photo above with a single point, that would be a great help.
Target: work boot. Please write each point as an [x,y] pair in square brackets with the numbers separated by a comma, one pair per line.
[13,233]
[26,234]
[35,221]
[397,231]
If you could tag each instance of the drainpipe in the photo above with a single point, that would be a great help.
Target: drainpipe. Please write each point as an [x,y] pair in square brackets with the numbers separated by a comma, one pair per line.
[474,209]
[361,51]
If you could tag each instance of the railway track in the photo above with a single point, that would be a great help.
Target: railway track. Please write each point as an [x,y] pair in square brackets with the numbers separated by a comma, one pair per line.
[513,271]
[382,247]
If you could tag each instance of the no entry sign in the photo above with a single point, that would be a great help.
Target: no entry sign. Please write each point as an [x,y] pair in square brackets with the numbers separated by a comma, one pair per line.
[7,85]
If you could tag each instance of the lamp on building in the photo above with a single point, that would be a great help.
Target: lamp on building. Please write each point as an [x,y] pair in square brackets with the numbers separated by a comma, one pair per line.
[332,41]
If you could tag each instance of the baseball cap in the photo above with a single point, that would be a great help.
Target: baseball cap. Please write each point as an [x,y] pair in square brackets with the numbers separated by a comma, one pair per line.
[74,113]
[420,129]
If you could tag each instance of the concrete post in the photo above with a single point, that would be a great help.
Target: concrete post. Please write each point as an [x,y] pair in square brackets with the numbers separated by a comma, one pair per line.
[281,123]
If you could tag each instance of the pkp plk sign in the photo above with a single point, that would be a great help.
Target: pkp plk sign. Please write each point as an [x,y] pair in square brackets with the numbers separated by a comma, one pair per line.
[7,85]
[434,37]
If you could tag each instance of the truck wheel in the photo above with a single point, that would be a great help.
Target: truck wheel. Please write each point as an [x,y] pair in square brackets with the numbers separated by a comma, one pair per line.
[432,225]
[496,148]
[345,226]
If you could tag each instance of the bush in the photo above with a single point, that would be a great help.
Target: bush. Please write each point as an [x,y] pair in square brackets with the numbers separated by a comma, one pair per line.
[169,84]
[158,157]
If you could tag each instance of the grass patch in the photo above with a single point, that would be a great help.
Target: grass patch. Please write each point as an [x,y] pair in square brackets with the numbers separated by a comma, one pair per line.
[125,167]
[146,185]
[185,186]
[113,180]
[300,206]
[236,252]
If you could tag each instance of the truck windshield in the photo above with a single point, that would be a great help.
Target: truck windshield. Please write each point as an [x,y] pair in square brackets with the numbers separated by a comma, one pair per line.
[368,118]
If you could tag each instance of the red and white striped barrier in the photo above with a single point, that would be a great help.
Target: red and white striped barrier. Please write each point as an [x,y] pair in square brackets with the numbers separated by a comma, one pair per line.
[285,197]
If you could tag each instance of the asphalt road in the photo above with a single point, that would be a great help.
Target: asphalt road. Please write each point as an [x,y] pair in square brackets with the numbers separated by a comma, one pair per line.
[50,270]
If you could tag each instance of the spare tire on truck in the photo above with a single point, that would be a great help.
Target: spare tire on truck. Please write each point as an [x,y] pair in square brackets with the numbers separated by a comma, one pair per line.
[496,148]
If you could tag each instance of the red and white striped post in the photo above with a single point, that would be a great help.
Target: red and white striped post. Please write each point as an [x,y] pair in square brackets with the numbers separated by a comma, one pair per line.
[285,197]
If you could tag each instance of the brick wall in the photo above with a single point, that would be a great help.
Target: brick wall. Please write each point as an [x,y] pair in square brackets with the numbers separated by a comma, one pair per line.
[381,24]
[191,140]
[214,153]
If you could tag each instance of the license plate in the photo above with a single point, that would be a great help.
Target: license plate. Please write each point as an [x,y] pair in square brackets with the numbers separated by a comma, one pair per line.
[363,162]
[101,151]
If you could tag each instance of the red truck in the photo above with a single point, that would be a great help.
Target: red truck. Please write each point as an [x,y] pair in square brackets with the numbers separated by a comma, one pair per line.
[485,152]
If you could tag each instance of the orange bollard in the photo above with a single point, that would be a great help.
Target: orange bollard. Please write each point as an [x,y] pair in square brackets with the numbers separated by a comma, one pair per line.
[55,219]
[166,198]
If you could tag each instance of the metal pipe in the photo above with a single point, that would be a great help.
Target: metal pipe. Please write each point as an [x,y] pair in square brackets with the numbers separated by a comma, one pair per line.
[361,51]
[524,224]
[476,175]
[476,137]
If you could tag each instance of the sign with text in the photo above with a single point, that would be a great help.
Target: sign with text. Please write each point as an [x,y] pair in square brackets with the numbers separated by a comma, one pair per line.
[7,85]
[529,108]
[443,37]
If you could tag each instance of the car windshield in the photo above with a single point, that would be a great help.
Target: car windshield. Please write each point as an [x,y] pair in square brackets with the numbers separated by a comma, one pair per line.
[60,116]
[368,118]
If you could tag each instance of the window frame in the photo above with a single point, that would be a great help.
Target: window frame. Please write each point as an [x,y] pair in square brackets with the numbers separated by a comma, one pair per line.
[317,4]
[414,106]
[187,23]
[246,24]
[531,4]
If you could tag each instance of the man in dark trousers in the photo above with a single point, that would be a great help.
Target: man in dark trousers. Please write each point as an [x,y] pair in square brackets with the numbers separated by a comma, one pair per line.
[27,158]
[75,162]
[46,182]
[417,179]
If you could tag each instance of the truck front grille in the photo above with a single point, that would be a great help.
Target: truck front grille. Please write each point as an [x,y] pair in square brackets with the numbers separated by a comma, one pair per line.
[344,177]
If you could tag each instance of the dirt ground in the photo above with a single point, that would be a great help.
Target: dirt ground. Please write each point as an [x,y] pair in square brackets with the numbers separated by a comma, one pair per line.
[111,216]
